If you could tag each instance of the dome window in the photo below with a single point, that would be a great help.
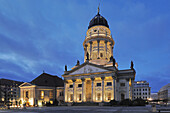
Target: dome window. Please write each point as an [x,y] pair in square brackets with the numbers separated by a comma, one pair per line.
[101,55]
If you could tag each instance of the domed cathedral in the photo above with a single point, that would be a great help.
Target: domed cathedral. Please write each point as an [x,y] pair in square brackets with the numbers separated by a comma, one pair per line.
[98,43]
[98,79]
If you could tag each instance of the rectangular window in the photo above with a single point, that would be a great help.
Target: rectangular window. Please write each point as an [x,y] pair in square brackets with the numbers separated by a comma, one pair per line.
[109,83]
[122,84]
[79,85]
[71,86]
[98,84]
[61,93]
[51,94]
[42,94]
[26,94]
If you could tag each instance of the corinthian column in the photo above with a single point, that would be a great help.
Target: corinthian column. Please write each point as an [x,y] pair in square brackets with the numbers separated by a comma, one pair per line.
[85,52]
[92,87]
[111,49]
[103,88]
[113,87]
[83,90]
[106,49]
[91,49]
[65,91]
[98,47]
[74,90]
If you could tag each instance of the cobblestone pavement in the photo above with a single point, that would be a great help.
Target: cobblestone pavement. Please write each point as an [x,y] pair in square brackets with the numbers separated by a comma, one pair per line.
[81,109]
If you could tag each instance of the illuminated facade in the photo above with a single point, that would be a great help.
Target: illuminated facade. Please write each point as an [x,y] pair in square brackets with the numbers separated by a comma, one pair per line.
[164,93]
[44,89]
[9,91]
[98,79]
[141,90]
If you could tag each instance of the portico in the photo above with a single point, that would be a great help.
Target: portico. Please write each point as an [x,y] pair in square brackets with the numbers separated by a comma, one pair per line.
[90,89]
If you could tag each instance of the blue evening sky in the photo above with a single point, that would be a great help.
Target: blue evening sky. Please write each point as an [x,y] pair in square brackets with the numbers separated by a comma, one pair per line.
[37,35]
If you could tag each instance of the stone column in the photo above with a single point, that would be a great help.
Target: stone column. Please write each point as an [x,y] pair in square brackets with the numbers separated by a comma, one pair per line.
[74,90]
[91,49]
[111,49]
[83,89]
[127,91]
[103,88]
[106,48]
[113,87]
[92,87]
[98,46]
[65,91]
[85,52]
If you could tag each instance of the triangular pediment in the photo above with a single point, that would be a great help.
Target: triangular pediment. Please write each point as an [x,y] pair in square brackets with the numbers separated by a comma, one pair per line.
[87,68]
[25,84]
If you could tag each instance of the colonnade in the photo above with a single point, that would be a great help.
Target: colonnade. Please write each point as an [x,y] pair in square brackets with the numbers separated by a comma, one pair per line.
[84,88]
[90,50]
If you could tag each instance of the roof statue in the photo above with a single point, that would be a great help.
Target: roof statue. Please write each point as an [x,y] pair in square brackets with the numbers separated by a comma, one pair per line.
[78,63]
[131,65]
[114,61]
[87,55]
[65,67]
[111,58]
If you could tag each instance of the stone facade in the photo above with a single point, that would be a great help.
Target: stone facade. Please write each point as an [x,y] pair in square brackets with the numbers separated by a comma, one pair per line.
[98,79]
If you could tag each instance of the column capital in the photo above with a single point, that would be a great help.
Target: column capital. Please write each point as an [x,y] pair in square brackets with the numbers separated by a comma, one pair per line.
[91,42]
[73,80]
[105,41]
[92,78]
[102,78]
[82,79]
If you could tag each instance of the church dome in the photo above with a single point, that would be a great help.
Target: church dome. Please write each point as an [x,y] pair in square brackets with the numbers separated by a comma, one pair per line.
[98,20]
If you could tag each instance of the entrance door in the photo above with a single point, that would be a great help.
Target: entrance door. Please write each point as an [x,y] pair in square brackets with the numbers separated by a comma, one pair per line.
[122,96]
[88,90]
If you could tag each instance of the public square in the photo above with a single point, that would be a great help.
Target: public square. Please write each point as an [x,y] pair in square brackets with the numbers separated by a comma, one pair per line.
[81,109]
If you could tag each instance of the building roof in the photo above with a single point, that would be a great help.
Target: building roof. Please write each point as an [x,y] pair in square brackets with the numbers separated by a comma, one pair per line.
[48,80]
[98,20]
[9,82]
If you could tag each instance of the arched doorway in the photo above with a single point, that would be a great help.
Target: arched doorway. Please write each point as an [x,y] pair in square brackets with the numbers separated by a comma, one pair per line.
[122,96]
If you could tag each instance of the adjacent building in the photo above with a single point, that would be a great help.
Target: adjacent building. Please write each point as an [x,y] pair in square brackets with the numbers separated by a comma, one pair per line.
[164,93]
[9,91]
[154,96]
[98,79]
[141,90]
[45,88]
